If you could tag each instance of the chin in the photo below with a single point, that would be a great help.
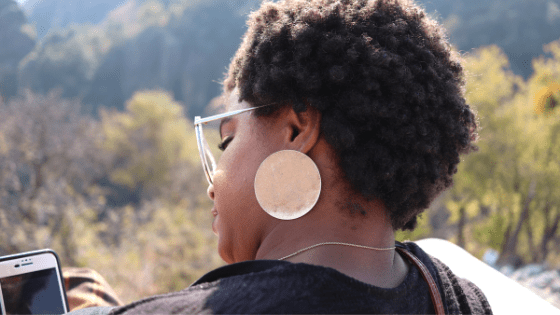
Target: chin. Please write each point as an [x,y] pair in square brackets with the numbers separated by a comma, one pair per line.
[225,253]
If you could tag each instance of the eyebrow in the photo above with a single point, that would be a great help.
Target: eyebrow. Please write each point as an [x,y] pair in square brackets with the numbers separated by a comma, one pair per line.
[224,121]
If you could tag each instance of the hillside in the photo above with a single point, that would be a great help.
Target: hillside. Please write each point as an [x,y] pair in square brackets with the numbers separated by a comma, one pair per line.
[103,51]
[13,31]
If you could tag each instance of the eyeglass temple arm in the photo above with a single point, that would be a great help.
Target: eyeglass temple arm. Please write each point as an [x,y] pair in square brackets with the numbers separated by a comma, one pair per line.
[198,120]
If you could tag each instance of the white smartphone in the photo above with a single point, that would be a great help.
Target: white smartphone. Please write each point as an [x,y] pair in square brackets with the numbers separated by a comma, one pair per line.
[32,283]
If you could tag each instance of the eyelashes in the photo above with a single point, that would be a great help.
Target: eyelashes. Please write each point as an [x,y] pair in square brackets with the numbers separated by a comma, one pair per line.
[222,146]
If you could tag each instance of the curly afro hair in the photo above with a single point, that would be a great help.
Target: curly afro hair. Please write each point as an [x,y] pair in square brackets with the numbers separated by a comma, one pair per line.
[383,76]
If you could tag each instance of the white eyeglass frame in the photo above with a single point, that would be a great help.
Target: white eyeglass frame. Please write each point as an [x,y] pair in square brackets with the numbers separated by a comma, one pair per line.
[204,148]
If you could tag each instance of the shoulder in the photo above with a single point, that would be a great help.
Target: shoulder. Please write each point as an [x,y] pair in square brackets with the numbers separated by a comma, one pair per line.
[189,301]
[98,310]
[247,287]
[461,295]
[283,287]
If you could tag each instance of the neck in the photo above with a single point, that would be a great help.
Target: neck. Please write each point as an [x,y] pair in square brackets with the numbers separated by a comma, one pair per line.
[338,216]
[337,244]
[382,268]
[287,237]
[334,224]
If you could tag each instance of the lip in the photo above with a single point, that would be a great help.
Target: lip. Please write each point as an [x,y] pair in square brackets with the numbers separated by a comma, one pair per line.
[214,212]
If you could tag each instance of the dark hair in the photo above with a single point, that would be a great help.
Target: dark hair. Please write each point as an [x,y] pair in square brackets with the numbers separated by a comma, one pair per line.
[384,79]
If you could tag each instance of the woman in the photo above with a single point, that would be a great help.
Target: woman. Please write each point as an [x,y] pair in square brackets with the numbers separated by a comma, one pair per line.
[344,120]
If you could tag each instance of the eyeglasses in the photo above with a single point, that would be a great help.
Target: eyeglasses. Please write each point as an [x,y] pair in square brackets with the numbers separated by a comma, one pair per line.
[208,160]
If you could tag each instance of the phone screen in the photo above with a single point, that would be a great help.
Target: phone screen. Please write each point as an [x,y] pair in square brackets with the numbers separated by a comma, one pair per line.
[36,292]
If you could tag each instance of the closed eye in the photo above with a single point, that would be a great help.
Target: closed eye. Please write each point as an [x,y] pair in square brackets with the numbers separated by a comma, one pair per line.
[222,146]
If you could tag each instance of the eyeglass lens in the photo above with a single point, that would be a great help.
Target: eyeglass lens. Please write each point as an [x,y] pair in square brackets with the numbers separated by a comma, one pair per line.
[209,161]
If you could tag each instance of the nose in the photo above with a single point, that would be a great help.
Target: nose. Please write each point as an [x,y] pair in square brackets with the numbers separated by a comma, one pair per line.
[210,192]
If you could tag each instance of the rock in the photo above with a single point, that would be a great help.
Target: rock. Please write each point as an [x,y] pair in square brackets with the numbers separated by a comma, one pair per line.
[544,279]
[491,257]
[544,283]
[555,285]
[526,272]
[507,270]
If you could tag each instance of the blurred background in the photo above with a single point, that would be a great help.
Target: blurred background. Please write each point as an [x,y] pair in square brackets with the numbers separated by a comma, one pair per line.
[98,158]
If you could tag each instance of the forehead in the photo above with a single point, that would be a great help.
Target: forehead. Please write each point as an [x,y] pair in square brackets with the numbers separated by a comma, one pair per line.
[232,103]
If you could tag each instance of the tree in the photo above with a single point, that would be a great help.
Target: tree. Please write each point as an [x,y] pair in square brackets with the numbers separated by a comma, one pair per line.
[149,140]
[182,50]
[165,236]
[65,60]
[506,189]
[543,96]
[55,163]
[490,86]
[19,35]
[48,161]
[518,27]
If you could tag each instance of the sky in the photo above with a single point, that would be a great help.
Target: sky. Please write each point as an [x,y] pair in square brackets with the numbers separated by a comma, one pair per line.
[21,1]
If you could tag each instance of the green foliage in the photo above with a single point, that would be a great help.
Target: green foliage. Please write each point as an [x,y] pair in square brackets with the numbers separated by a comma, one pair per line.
[52,162]
[65,60]
[491,232]
[46,162]
[518,27]
[17,40]
[165,253]
[507,187]
[423,230]
[490,81]
[173,45]
[149,139]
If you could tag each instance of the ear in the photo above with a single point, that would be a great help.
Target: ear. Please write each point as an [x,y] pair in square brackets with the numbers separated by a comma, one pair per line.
[301,130]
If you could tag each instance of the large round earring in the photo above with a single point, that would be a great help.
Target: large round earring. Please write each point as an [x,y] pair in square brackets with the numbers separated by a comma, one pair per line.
[287,184]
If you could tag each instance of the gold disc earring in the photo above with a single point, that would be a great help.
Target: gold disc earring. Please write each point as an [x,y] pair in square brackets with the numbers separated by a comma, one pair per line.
[287,184]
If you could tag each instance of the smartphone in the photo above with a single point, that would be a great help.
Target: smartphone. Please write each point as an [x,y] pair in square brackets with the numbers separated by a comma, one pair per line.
[31,283]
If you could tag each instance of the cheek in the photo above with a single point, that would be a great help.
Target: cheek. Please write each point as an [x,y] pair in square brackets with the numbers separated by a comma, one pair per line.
[232,182]
[239,221]
[234,191]
[236,171]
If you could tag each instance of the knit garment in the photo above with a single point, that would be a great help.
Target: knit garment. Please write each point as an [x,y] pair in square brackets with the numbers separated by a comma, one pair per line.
[265,286]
